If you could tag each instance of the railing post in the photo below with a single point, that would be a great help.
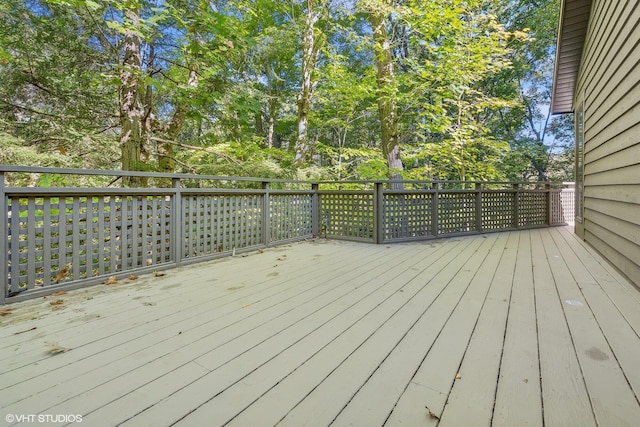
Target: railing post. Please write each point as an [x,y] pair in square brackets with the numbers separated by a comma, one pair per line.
[177,222]
[479,207]
[547,188]
[266,214]
[3,241]
[434,210]
[378,213]
[516,205]
[315,210]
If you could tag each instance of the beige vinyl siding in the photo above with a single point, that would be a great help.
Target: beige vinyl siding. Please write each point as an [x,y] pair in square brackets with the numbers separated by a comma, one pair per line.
[609,85]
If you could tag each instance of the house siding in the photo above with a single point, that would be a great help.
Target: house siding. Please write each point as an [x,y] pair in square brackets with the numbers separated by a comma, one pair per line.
[608,86]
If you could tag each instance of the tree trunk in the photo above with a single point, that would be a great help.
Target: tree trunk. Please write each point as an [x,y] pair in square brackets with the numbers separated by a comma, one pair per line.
[272,125]
[309,56]
[131,109]
[166,153]
[386,102]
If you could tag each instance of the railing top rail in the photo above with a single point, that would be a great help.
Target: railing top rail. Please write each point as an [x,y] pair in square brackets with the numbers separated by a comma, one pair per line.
[413,181]
[117,173]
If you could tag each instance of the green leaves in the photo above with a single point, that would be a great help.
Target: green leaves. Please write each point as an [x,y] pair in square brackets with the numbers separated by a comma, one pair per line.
[220,80]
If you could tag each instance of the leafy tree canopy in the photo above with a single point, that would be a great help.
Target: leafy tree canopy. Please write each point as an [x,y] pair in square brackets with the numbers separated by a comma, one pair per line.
[329,89]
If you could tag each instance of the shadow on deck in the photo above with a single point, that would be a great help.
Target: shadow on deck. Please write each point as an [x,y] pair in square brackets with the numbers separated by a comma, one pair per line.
[508,329]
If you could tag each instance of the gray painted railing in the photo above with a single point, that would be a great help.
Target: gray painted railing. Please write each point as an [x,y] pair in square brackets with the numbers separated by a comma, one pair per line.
[568,197]
[62,238]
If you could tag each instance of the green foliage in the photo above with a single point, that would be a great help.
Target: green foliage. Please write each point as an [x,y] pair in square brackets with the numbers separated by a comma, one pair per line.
[219,80]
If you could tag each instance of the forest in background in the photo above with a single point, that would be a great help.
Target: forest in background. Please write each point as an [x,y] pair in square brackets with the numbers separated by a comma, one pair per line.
[314,89]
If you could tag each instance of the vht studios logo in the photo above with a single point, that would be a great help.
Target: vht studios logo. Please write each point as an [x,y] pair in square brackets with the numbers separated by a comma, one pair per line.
[43,418]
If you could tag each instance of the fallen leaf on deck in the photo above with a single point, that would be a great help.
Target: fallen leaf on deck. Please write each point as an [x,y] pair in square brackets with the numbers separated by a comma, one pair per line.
[111,280]
[57,302]
[260,251]
[133,277]
[458,376]
[246,305]
[158,273]
[55,348]
[431,413]
[6,311]
[57,294]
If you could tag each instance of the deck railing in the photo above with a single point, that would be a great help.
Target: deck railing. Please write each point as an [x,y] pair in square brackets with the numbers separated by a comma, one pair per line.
[59,237]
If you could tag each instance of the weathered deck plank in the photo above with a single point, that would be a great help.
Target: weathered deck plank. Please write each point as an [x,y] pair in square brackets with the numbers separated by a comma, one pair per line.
[612,398]
[564,394]
[472,399]
[518,399]
[340,333]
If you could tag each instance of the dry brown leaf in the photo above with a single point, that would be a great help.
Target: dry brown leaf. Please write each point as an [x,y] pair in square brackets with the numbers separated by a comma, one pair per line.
[55,348]
[6,311]
[158,273]
[111,280]
[260,251]
[133,277]
[63,273]
[458,376]
[57,302]
[246,305]
[57,294]
[431,413]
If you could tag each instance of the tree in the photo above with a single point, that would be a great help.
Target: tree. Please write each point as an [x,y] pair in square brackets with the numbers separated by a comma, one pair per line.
[452,52]
[538,140]
[312,43]
[370,89]
[378,13]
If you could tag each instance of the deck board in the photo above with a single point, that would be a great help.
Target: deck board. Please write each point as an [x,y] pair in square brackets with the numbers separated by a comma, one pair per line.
[564,393]
[472,398]
[518,398]
[514,328]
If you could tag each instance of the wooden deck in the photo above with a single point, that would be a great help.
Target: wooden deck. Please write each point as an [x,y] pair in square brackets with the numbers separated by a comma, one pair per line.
[525,328]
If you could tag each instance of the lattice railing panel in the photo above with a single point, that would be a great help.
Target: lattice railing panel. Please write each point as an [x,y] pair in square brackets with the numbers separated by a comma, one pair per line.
[60,239]
[290,216]
[532,209]
[347,214]
[568,198]
[456,213]
[557,208]
[220,223]
[407,215]
[497,210]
